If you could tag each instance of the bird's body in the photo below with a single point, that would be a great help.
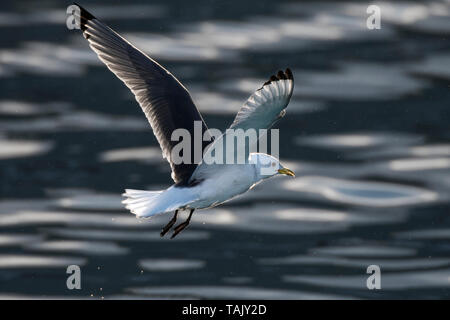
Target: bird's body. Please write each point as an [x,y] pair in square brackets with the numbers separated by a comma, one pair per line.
[168,106]
[221,186]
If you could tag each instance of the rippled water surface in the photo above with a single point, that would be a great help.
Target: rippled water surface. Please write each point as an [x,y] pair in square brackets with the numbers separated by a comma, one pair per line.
[367,132]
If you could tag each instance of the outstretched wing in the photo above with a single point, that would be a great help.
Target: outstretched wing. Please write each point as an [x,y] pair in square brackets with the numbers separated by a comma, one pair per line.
[267,104]
[164,100]
[264,107]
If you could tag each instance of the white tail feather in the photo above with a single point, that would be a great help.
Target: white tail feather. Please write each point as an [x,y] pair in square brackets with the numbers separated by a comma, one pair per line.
[149,203]
[138,200]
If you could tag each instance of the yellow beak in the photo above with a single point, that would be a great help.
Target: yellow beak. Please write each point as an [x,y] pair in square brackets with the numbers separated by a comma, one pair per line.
[287,172]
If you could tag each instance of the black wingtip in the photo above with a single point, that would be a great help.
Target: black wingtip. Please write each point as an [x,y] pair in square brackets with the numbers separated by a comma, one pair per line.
[281,75]
[85,16]
[286,75]
[289,74]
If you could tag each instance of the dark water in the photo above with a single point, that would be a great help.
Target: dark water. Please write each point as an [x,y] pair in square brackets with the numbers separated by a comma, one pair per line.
[367,133]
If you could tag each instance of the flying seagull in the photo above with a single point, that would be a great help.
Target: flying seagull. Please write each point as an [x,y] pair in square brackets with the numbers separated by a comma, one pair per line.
[168,106]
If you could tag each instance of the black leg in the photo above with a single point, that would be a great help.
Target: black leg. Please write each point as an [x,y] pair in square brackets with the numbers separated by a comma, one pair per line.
[170,224]
[182,226]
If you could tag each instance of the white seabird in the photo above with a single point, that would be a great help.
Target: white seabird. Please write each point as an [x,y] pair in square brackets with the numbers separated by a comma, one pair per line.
[168,106]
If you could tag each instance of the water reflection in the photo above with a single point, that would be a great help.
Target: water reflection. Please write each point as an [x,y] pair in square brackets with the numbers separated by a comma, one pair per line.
[83,247]
[22,148]
[375,194]
[360,263]
[164,265]
[21,108]
[36,261]
[419,164]
[76,121]
[228,292]
[121,235]
[358,140]
[365,251]
[425,234]
[391,281]
[39,15]
[18,239]
[146,155]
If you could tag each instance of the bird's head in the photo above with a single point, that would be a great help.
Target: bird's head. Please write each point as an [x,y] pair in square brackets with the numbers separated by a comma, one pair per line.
[268,166]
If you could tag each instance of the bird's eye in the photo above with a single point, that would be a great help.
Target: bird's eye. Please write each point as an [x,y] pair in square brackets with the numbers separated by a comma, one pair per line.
[273,164]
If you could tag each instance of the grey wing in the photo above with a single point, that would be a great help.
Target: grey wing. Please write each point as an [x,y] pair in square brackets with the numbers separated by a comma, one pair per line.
[267,104]
[264,107]
[164,100]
